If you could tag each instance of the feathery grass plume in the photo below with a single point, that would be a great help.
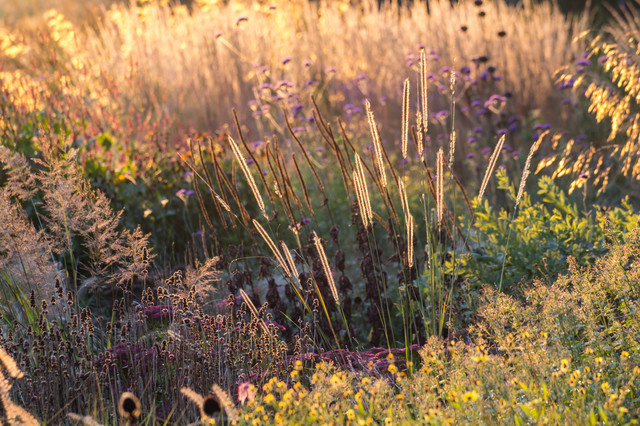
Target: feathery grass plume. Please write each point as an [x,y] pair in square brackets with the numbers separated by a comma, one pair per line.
[527,165]
[129,407]
[247,174]
[15,414]
[405,118]
[419,138]
[452,138]
[287,255]
[423,90]
[362,193]
[253,310]
[492,164]
[10,364]
[86,420]
[377,144]
[225,401]
[274,248]
[409,225]
[325,267]
[194,396]
[440,185]
[403,198]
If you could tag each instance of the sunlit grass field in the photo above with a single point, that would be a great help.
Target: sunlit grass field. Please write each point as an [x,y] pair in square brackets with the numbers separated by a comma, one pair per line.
[318,212]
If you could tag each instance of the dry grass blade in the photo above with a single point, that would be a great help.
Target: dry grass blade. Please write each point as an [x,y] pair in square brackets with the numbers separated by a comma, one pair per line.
[440,185]
[492,164]
[409,225]
[273,247]
[253,157]
[377,144]
[405,118]
[247,174]
[325,267]
[362,193]
[423,91]
[305,191]
[527,166]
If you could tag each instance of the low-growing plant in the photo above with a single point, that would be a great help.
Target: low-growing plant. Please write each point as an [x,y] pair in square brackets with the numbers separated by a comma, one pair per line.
[536,243]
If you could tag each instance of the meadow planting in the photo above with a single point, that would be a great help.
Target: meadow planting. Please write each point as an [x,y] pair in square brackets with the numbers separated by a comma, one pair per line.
[319,212]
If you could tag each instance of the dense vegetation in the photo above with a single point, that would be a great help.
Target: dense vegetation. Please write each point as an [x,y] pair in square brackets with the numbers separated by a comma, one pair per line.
[318,212]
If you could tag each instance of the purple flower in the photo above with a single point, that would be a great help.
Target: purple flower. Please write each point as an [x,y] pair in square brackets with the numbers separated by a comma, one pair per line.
[265,86]
[305,220]
[602,59]
[256,144]
[486,150]
[187,174]
[297,129]
[330,69]
[309,82]
[181,193]
[584,175]
[478,130]
[444,70]
[285,60]
[566,101]
[472,139]
[484,75]
[470,155]
[497,77]
[476,103]
[442,114]
[501,131]
[249,160]
[241,19]
[217,35]
[513,119]
[307,63]
[465,70]
[513,127]
[464,109]
[583,62]
[360,77]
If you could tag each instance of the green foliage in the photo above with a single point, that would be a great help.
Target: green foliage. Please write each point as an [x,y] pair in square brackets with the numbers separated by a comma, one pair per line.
[544,234]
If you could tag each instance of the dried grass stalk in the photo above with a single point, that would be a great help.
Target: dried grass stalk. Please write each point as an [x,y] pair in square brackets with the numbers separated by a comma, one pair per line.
[376,144]
[527,165]
[326,268]
[405,118]
[247,174]
[492,164]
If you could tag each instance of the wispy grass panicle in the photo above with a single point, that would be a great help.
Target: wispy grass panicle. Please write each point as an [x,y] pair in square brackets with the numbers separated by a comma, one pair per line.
[440,186]
[452,137]
[405,118]
[527,166]
[247,174]
[274,249]
[362,193]
[492,164]
[419,136]
[424,91]
[377,144]
[326,268]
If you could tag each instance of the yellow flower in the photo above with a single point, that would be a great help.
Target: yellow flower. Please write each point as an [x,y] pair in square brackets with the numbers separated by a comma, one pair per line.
[605,387]
[624,355]
[564,365]
[470,396]
[392,369]
[351,415]
[623,410]
[269,398]
[400,396]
